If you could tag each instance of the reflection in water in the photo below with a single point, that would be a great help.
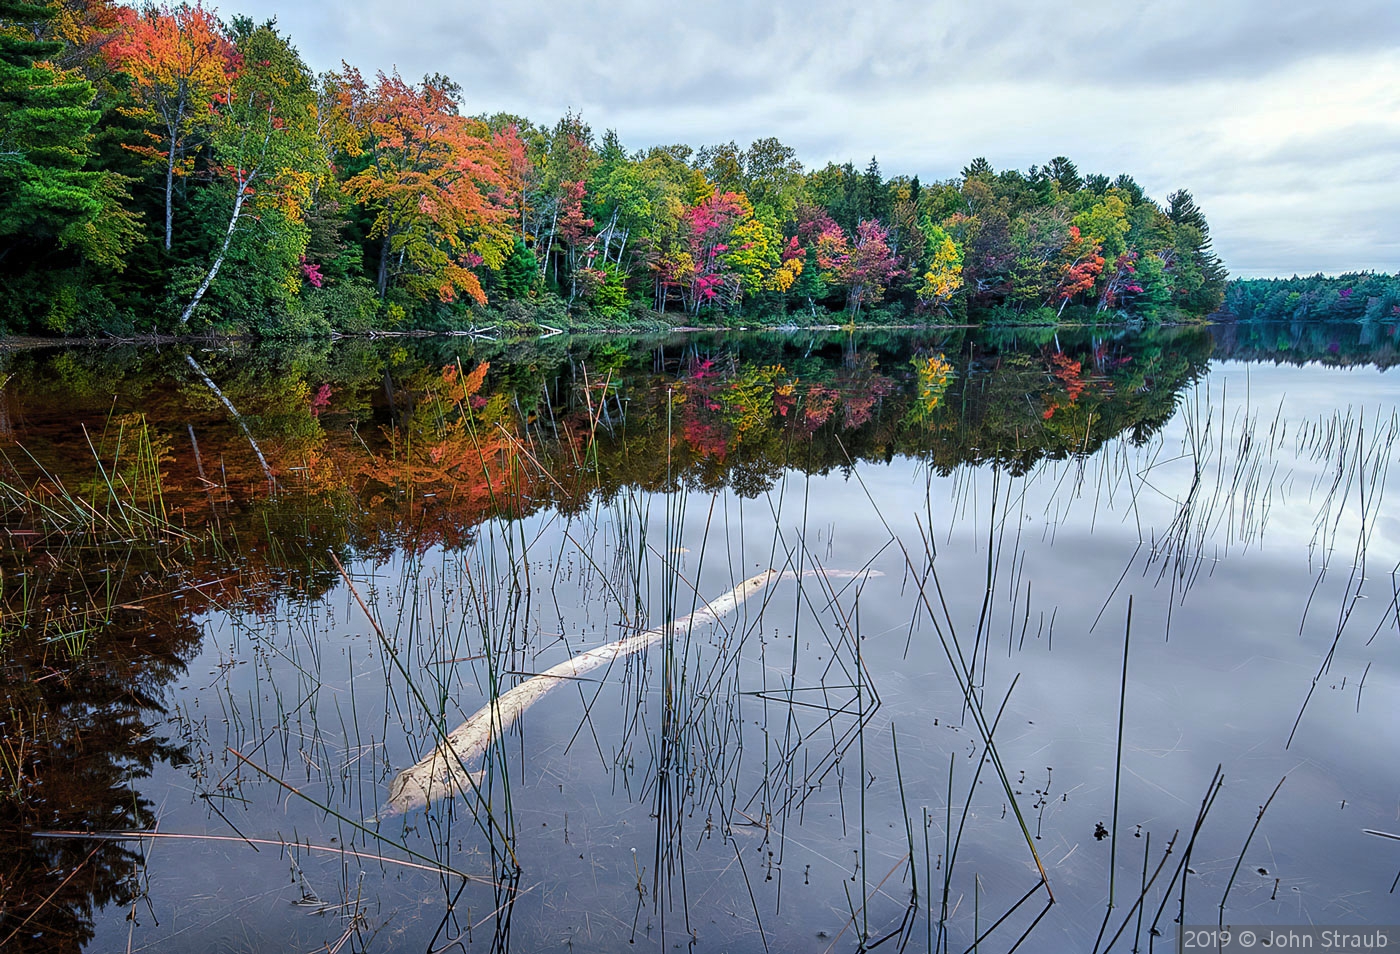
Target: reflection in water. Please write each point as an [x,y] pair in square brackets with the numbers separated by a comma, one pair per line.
[84,678]
[493,503]
[1340,344]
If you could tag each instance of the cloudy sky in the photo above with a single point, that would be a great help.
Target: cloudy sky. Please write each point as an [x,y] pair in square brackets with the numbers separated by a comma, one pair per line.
[1281,116]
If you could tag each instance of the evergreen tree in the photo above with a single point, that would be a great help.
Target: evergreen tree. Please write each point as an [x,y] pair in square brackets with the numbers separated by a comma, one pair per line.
[1127,185]
[518,273]
[810,287]
[1096,183]
[1200,284]
[873,201]
[1183,210]
[46,121]
[65,225]
[978,168]
[1065,174]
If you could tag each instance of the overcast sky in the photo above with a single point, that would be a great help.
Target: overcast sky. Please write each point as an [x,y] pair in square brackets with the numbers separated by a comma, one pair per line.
[1281,116]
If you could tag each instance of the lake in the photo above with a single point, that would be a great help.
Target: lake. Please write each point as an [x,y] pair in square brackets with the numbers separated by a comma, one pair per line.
[1098,617]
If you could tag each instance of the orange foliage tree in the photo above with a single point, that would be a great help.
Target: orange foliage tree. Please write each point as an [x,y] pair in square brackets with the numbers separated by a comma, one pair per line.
[85,28]
[179,62]
[439,184]
[1080,267]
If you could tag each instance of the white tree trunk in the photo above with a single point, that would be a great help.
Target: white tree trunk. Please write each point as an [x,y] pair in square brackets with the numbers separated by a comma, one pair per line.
[169,188]
[238,201]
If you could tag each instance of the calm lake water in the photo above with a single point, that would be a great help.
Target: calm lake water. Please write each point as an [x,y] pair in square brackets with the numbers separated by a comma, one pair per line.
[1055,616]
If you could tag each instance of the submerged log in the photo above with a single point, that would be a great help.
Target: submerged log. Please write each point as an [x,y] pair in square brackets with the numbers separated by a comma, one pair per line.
[445,771]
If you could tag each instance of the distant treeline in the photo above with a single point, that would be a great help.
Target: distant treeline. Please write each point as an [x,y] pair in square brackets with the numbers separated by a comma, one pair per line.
[1356,296]
[163,170]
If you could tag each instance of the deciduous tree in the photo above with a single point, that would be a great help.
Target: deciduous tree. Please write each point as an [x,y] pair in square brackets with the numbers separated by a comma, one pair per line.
[869,267]
[433,181]
[1081,263]
[266,147]
[943,277]
[179,62]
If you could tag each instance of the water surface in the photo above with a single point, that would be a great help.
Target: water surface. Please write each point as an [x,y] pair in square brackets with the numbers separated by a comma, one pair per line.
[909,748]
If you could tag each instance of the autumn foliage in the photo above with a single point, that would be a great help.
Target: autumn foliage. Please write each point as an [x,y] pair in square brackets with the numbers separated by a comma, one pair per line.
[259,195]
[436,182]
[179,63]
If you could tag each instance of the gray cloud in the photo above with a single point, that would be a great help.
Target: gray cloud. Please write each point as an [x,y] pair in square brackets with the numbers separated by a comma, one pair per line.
[1171,43]
[629,51]
[1351,150]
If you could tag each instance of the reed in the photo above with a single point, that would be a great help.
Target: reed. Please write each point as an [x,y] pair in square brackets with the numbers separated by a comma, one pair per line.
[1117,776]
[1225,896]
[732,756]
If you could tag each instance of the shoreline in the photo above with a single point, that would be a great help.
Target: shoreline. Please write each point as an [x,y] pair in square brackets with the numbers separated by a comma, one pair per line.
[493,333]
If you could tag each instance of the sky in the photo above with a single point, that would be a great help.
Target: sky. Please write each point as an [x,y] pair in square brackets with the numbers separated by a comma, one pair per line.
[1282,117]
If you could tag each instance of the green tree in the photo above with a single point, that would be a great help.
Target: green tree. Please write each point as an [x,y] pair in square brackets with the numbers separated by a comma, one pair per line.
[518,272]
[623,206]
[872,201]
[774,178]
[723,165]
[1130,189]
[978,168]
[1199,284]
[1156,293]
[1037,238]
[46,120]
[268,156]
[837,190]
[1064,174]
[811,285]
[942,279]
[1107,224]
[51,199]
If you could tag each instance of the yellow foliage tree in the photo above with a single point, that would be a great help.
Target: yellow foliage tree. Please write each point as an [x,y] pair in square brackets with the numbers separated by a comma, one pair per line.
[943,279]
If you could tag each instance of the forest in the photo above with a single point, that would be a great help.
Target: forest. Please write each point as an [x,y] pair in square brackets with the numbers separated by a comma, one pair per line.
[1356,296]
[165,171]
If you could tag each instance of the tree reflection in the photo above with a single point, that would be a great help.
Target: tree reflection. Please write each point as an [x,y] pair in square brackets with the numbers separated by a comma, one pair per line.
[133,504]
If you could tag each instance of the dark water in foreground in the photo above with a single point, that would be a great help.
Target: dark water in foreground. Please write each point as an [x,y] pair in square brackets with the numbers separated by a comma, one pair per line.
[183,659]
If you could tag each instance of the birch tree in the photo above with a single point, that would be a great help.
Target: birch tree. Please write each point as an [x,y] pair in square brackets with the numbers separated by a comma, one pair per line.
[266,143]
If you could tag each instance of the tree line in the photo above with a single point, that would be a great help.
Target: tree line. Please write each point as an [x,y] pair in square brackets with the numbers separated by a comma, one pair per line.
[1355,296]
[163,170]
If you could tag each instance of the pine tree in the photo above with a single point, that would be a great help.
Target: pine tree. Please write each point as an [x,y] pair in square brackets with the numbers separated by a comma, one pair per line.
[518,272]
[1200,274]
[1064,173]
[873,202]
[978,168]
[46,121]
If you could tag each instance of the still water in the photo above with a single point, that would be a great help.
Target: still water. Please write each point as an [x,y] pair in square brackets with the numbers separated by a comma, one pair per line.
[1053,617]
